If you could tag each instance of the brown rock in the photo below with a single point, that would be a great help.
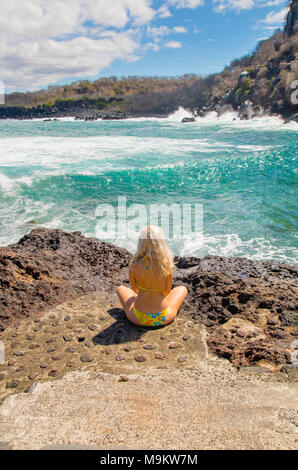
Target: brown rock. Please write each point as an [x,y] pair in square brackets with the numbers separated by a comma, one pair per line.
[159,355]
[92,327]
[32,375]
[140,358]
[86,358]
[49,267]
[12,384]
[123,378]
[106,351]
[120,358]
[87,263]
[67,338]
[186,337]
[182,359]
[53,373]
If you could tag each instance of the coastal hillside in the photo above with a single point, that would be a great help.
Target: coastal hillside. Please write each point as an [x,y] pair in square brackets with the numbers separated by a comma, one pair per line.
[257,83]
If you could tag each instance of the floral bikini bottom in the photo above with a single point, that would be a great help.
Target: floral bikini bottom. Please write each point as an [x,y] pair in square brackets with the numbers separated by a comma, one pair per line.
[151,319]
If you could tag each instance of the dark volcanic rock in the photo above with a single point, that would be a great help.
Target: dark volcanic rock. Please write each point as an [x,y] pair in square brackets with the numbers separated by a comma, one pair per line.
[189,119]
[292,18]
[249,307]
[47,267]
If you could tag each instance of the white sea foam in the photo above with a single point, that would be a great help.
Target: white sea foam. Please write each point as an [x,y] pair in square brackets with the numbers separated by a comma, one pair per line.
[103,151]
[178,115]
[232,245]
[51,156]
[7,185]
[232,120]
[227,245]
[229,118]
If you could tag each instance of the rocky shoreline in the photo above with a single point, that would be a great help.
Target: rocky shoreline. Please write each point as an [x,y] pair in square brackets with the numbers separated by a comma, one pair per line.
[80,112]
[249,308]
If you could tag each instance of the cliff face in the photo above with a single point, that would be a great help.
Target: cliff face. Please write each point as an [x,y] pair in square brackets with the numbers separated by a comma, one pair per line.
[291,26]
[264,85]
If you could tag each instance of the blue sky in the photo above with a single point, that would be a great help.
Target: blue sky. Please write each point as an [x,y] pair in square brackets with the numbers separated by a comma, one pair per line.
[212,39]
[58,42]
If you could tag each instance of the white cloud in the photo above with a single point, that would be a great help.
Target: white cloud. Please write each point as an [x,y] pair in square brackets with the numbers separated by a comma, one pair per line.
[151,45]
[223,5]
[174,44]
[46,41]
[33,64]
[158,32]
[220,6]
[61,17]
[186,3]
[272,3]
[275,18]
[163,12]
[179,29]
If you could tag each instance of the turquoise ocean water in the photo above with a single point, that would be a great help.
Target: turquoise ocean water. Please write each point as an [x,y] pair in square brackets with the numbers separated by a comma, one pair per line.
[54,174]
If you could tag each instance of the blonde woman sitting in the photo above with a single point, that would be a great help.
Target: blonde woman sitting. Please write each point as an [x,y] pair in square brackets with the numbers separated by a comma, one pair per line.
[151,301]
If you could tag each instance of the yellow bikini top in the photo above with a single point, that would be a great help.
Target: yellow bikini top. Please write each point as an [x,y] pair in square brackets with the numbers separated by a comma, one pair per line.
[149,288]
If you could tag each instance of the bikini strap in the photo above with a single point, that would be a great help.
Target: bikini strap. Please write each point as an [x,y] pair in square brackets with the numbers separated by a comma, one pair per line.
[146,261]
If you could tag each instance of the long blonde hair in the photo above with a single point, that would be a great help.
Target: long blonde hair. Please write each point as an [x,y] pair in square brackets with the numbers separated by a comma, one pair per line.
[152,244]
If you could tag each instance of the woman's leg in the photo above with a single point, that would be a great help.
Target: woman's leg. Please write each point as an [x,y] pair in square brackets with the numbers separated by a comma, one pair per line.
[175,299]
[127,297]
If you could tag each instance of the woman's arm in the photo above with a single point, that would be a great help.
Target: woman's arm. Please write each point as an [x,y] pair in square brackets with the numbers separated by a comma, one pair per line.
[169,282]
[133,281]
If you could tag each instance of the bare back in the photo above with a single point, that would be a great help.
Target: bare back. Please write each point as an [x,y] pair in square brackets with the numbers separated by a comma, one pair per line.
[150,285]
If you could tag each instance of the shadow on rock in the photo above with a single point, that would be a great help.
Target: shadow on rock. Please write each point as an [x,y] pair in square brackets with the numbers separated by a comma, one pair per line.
[121,331]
